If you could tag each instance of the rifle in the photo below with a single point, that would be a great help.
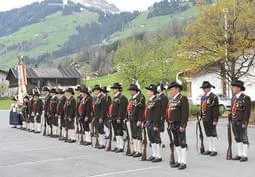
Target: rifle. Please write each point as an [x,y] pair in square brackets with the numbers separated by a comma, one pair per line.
[229,151]
[169,131]
[198,126]
[128,140]
[80,134]
[44,130]
[144,154]
[109,148]
[97,136]
[66,134]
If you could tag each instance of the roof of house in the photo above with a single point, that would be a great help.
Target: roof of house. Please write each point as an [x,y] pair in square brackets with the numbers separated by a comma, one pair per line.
[2,71]
[59,73]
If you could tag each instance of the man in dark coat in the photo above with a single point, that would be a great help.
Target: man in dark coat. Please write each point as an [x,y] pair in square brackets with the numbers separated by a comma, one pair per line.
[61,113]
[119,113]
[179,114]
[70,113]
[240,116]
[164,103]
[136,116]
[210,116]
[108,99]
[153,119]
[53,113]
[46,107]
[78,101]
[85,117]
[100,114]
[25,112]
[37,108]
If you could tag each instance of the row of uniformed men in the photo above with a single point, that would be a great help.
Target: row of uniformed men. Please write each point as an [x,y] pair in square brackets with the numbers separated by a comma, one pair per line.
[61,114]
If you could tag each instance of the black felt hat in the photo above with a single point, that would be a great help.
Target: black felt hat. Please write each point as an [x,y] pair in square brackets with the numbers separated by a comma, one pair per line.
[152,88]
[238,83]
[175,85]
[207,84]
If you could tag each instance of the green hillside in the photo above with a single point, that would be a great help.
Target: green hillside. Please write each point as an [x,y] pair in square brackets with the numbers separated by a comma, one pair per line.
[48,35]
[142,24]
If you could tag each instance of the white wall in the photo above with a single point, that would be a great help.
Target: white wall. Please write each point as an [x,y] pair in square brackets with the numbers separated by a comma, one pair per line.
[215,80]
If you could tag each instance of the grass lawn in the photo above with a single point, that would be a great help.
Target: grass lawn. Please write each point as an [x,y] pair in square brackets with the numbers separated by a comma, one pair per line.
[5,103]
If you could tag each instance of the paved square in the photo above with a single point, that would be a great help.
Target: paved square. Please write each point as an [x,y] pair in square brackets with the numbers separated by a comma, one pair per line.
[24,154]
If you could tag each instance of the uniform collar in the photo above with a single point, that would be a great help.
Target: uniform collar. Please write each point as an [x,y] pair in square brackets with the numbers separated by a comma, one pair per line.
[151,98]
[99,95]
[238,95]
[117,94]
[208,93]
[136,95]
[177,95]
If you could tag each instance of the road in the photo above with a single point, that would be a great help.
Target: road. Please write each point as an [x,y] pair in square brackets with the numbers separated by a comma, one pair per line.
[24,154]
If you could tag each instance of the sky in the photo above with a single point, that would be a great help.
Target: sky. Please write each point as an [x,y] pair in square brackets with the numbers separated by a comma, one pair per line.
[124,5]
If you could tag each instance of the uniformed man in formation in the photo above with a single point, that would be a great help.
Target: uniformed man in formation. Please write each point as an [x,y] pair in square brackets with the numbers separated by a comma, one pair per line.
[91,117]
[37,109]
[53,113]
[179,114]
[61,113]
[153,122]
[137,102]
[107,120]
[239,116]
[46,107]
[118,115]
[164,104]
[70,114]
[100,107]
[85,116]
[210,116]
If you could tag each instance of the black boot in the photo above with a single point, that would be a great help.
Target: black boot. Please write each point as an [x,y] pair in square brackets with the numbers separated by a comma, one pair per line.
[237,157]
[244,159]
[182,166]
[213,154]
[131,154]
[150,158]
[207,152]
[175,165]
[157,160]
[115,149]
[137,154]
[119,151]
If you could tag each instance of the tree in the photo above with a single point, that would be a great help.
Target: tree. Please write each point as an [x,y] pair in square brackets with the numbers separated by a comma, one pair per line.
[160,54]
[208,41]
[130,61]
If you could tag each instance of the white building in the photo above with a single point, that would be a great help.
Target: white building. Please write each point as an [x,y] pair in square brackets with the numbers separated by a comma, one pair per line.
[194,83]
[4,85]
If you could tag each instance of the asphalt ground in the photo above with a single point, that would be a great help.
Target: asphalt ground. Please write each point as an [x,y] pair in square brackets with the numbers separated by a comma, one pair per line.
[24,154]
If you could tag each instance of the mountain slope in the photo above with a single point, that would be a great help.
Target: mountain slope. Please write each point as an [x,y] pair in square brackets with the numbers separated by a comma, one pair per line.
[48,35]
[144,24]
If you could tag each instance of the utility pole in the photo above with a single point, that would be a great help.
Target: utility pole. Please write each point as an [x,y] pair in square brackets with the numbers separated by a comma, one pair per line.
[226,84]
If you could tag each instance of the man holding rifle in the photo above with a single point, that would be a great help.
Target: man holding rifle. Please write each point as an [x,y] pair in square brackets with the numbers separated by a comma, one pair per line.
[136,117]
[239,116]
[164,102]
[119,112]
[100,114]
[153,118]
[70,113]
[85,118]
[46,106]
[210,116]
[61,113]
[179,113]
